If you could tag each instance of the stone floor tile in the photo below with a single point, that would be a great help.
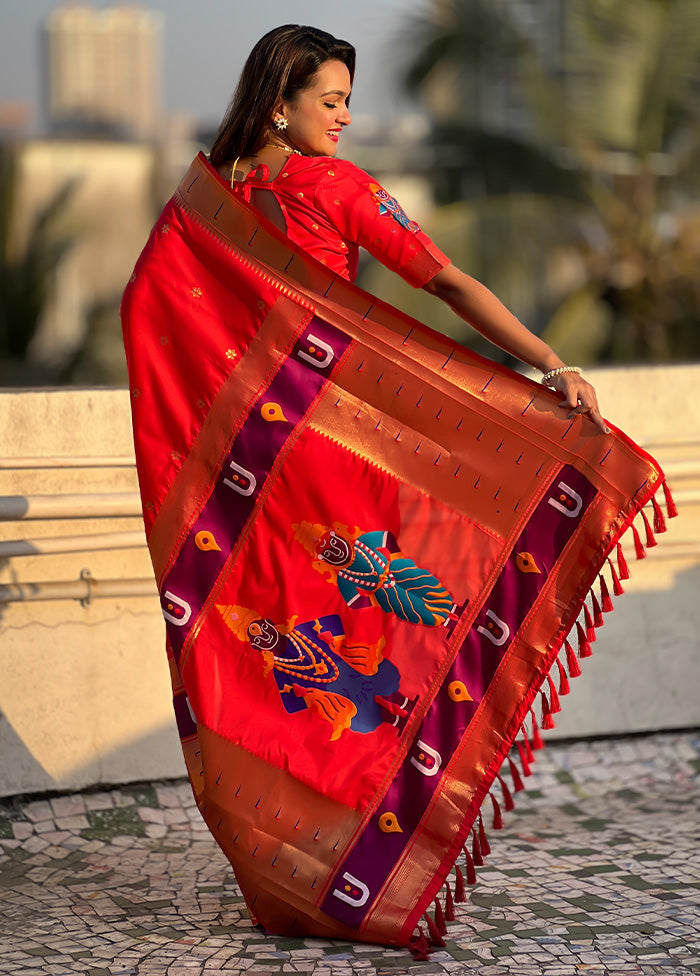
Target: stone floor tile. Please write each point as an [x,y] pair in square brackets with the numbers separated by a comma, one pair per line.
[21,830]
[595,872]
[68,805]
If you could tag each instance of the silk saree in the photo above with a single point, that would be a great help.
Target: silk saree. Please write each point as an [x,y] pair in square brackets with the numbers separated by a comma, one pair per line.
[376,553]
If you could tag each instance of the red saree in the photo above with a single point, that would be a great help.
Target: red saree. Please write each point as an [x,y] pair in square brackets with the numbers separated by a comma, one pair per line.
[371,545]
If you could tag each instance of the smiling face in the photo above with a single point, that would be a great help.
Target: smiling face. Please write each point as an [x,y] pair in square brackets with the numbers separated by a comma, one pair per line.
[318,113]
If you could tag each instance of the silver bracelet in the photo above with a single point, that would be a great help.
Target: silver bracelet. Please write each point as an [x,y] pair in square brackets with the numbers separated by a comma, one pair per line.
[548,377]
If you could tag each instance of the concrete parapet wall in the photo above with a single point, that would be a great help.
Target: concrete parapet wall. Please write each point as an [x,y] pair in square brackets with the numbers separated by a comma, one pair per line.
[84,695]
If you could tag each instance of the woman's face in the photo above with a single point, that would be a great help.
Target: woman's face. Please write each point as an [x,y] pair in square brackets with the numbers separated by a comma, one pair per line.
[318,113]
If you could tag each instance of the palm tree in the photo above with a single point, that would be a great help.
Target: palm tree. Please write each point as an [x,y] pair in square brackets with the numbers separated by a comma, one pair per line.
[27,273]
[595,177]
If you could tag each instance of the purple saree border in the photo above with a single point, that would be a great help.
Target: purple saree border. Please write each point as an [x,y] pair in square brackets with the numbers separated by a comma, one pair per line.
[271,421]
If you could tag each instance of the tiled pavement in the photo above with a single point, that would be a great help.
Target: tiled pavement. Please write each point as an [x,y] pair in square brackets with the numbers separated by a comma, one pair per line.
[597,871]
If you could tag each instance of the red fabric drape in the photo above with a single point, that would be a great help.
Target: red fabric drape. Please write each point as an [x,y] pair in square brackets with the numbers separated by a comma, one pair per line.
[370,545]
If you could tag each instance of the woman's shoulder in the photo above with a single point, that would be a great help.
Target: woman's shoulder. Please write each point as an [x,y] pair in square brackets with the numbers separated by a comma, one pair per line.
[323,169]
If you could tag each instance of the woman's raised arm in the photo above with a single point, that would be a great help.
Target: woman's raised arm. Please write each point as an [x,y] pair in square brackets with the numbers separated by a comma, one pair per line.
[478,306]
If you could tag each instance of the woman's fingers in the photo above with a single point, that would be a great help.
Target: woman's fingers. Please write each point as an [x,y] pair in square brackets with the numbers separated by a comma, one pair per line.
[580,397]
[599,420]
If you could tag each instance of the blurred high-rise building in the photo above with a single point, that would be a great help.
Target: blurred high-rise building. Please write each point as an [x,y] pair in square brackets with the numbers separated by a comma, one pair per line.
[103,70]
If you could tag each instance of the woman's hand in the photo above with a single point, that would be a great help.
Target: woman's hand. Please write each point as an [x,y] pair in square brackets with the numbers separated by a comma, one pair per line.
[579,397]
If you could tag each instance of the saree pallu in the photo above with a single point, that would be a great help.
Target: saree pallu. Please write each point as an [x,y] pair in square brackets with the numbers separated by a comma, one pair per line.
[370,545]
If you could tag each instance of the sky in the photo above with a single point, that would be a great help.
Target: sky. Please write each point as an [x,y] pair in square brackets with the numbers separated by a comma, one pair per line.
[207,41]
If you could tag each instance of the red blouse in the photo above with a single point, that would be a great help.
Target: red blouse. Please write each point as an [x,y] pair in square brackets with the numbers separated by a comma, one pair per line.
[332,208]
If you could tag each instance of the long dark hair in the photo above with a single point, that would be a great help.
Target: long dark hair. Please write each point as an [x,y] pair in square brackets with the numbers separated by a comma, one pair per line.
[279,67]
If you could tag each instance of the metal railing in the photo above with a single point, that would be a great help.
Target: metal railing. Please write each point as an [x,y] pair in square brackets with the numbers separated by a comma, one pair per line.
[74,508]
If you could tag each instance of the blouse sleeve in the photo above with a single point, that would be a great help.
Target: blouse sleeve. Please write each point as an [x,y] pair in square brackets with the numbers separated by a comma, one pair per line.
[364,213]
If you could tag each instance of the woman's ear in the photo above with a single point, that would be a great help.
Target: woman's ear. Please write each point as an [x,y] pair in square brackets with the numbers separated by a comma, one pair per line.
[278,113]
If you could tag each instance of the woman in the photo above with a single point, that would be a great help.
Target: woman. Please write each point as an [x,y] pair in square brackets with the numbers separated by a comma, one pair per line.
[301,110]
[370,544]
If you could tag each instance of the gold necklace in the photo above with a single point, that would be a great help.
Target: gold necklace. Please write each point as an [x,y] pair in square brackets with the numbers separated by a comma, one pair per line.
[287,149]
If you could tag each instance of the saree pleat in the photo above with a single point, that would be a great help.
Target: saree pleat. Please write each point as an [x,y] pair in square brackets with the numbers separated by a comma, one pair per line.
[371,545]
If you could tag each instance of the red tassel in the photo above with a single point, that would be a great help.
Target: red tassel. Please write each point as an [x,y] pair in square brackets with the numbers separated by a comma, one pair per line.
[659,520]
[537,742]
[622,563]
[449,905]
[517,781]
[563,679]
[471,870]
[528,748]
[483,839]
[638,547]
[547,720]
[651,541]
[554,705]
[605,600]
[597,612]
[671,509]
[476,851]
[440,923]
[584,648]
[590,625]
[507,798]
[617,585]
[524,762]
[572,661]
[497,818]
[419,948]
[434,932]
[460,894]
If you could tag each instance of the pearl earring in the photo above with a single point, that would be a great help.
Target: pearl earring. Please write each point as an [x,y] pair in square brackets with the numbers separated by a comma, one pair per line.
[281,124]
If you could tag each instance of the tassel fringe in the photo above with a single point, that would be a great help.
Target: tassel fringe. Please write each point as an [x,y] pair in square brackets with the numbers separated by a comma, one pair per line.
[537,742]
[460,894]
[605,601]
[440,924]
[524,762]
[476,851]
[651,541]
[563,679]
[572,661]
[434,932]
[449,905]
[622,563]
[584,648]
[554,705]
[483,839]
[497,823]
[507,798]
[471,870]
[597,612]
[671,509]
[517,781]
[617,585]
[420,945]
[638,547]
[659,520]
[547,720]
